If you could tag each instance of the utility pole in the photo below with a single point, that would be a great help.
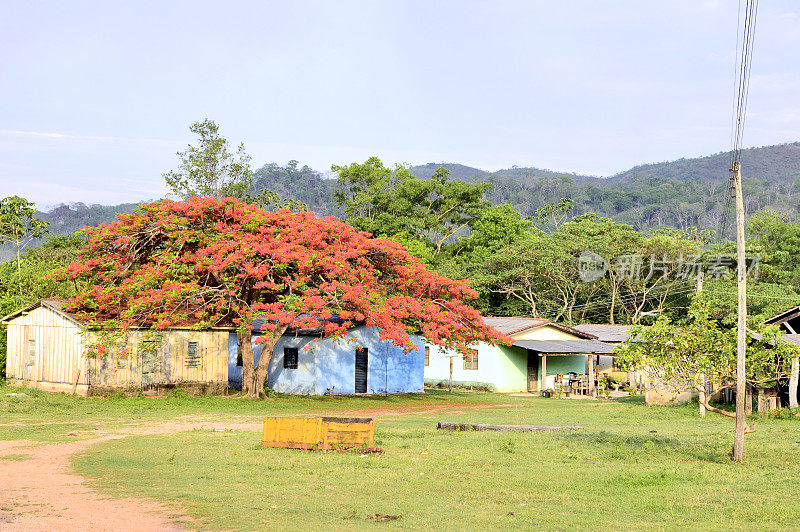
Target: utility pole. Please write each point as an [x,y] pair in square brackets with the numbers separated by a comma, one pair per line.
[450,381]
[741,322]
[745,56]
[702,376]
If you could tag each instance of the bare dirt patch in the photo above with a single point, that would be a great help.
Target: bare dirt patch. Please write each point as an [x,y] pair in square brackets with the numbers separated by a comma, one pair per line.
[415,409]
[43,493]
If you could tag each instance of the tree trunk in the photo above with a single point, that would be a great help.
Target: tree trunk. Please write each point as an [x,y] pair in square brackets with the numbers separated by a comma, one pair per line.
[248,365]
[450,381]
[793,382]
[702,396]
[261,372]
[613,302]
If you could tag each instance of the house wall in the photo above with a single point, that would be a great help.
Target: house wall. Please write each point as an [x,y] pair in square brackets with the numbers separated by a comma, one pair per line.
[168,365]
[545,332]
[58,356]
[327,365]
[501,367]
[561,364]
[57,353]
[605,364]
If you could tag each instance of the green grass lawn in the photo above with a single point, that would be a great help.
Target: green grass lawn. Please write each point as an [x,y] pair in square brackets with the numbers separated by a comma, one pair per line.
[633,467]
[42,416]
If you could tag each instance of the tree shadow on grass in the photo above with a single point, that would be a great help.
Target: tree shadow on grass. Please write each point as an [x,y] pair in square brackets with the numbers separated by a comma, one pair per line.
[644,447]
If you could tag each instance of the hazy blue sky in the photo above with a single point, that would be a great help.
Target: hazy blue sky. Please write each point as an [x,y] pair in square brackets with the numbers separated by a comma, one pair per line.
[96,97]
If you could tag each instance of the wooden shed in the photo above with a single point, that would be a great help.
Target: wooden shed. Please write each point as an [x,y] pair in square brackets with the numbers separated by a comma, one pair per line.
[46,348]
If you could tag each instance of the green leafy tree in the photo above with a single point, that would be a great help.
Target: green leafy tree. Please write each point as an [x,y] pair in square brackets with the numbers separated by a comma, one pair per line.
[31,281]
[392,202]
[682,356]
[666,275]
[776,240]
[550,216]
[764,300]
[211,169]
[18,223]
[494,229]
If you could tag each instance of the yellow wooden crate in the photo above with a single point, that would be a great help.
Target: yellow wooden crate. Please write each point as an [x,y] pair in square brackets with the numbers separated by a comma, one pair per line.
[318,432]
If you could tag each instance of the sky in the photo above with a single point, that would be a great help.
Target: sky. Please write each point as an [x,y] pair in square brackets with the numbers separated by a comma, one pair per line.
[96,98]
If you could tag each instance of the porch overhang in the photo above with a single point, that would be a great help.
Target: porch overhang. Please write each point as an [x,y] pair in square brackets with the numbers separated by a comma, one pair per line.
[566,347]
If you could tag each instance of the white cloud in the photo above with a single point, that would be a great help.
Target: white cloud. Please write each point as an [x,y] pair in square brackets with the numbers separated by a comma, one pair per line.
[52,135]
[43,193]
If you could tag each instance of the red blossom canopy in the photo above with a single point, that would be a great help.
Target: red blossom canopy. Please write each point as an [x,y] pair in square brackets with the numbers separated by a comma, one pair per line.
[207,263]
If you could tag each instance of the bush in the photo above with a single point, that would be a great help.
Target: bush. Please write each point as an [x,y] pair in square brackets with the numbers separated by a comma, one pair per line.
[179,393]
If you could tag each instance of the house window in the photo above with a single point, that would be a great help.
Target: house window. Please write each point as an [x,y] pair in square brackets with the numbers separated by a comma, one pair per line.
[31,351]
[471,359]
[290,358]
[192,356]
[122,361]
[427,355]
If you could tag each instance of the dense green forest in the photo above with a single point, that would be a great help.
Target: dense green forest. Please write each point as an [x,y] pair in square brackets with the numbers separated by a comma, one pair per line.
[679,194]
[572,248]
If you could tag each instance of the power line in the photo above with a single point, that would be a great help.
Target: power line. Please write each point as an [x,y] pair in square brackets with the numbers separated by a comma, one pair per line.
[741,79]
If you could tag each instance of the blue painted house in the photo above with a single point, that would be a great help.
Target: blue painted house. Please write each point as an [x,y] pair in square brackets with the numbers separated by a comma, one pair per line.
[308,363]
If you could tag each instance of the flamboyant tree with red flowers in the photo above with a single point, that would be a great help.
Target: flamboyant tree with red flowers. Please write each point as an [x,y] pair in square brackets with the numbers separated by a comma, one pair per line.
[209,262]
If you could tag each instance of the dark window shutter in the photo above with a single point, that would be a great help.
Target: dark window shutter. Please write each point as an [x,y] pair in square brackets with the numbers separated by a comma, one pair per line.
[192,356]
[290,357]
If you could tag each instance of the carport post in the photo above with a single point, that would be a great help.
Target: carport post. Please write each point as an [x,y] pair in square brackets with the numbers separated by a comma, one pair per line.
[544,373]
[590,367]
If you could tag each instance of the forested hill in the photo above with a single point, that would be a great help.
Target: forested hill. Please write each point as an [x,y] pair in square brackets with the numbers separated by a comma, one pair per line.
[66,219]
[780,163]
[682,193]
[519,173]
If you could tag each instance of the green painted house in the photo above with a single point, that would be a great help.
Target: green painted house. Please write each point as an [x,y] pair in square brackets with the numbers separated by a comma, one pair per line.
[542,349]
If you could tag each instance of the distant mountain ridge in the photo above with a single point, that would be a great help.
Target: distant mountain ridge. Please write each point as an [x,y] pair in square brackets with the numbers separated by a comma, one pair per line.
[680,193]
[779,162]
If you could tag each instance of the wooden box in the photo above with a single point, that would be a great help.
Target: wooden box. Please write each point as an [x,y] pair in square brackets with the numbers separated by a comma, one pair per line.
[318,432]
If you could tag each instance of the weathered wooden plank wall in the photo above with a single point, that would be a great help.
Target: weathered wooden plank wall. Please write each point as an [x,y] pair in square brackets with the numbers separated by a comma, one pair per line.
[170,364]
[45,346]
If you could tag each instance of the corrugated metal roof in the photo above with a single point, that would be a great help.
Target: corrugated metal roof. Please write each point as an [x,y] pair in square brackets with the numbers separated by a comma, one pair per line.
[794,338]
[56,305]
[566,346]
[514,325]
[605,332]
[784,316]
[509,325]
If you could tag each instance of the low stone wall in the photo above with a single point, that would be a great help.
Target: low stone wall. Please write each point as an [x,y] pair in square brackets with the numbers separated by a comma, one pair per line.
[54,387]
[85,390]
[667,397]
[461,385]
[191,388]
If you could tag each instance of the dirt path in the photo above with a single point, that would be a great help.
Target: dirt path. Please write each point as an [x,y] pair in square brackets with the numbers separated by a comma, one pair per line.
[40,491]
[418,409]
